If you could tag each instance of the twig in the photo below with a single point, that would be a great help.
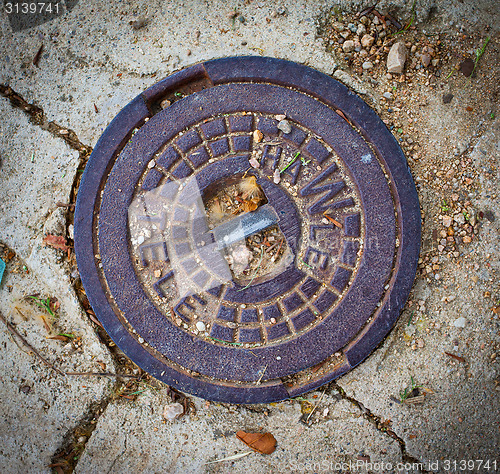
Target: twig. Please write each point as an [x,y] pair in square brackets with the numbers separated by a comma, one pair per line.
[381,48]
[281,245]
[36,59]
[230,458]
[261,375]
[380,17]
[14,332]
[365,12]
[331,219]
[19,311]
[103,374]
[315,406]
[409,23]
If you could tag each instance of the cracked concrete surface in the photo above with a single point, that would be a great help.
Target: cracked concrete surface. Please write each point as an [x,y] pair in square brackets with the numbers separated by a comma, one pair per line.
[92,65]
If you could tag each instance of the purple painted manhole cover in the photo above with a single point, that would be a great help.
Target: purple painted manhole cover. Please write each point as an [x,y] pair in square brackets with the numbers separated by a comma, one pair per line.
[247,230]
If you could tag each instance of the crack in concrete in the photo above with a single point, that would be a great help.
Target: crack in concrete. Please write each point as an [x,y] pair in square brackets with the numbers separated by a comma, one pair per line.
[38,117]
[124,450]
[74,441]
[379,424]
[73,445]
[110,67]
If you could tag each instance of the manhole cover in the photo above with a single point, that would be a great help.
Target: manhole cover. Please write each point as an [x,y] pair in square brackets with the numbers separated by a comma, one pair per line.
[247,230]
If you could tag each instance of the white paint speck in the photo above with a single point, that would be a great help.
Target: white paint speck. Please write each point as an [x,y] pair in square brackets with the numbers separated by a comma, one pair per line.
[366,159]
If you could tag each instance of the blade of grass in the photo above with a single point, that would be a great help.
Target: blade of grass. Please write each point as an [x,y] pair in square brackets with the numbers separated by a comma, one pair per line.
[225,342]
[291,162]
[479,54]
[412,19]
[256,270]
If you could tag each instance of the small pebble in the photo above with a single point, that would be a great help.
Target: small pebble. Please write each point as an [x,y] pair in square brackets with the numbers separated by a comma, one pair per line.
[200,325]
[165,103]
[446,221]
[459,322]
[285,126]
[254,163]
[367,41]
[173,411]
[361,30]
[367,65]
[257,136]
[348,46]
[157,273]
[280,117]
[459,219]
[277,176]
[426,59]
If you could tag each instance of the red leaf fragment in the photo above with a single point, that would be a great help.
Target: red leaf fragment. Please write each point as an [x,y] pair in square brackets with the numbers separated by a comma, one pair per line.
[263,443]
[459,358]
[56,242]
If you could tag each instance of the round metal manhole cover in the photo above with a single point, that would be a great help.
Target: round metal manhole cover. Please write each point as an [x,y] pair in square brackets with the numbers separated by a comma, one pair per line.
[247,230]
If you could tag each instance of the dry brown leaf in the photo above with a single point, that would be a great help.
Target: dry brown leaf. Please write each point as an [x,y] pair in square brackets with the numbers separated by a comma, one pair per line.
[459,358]
[56,242]
[54,304]
[264,443]
[59,338]
[45,323]
[249,206]
[250,188]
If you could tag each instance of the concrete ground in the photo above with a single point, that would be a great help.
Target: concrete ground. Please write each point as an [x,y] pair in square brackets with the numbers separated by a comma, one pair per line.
[446,342]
